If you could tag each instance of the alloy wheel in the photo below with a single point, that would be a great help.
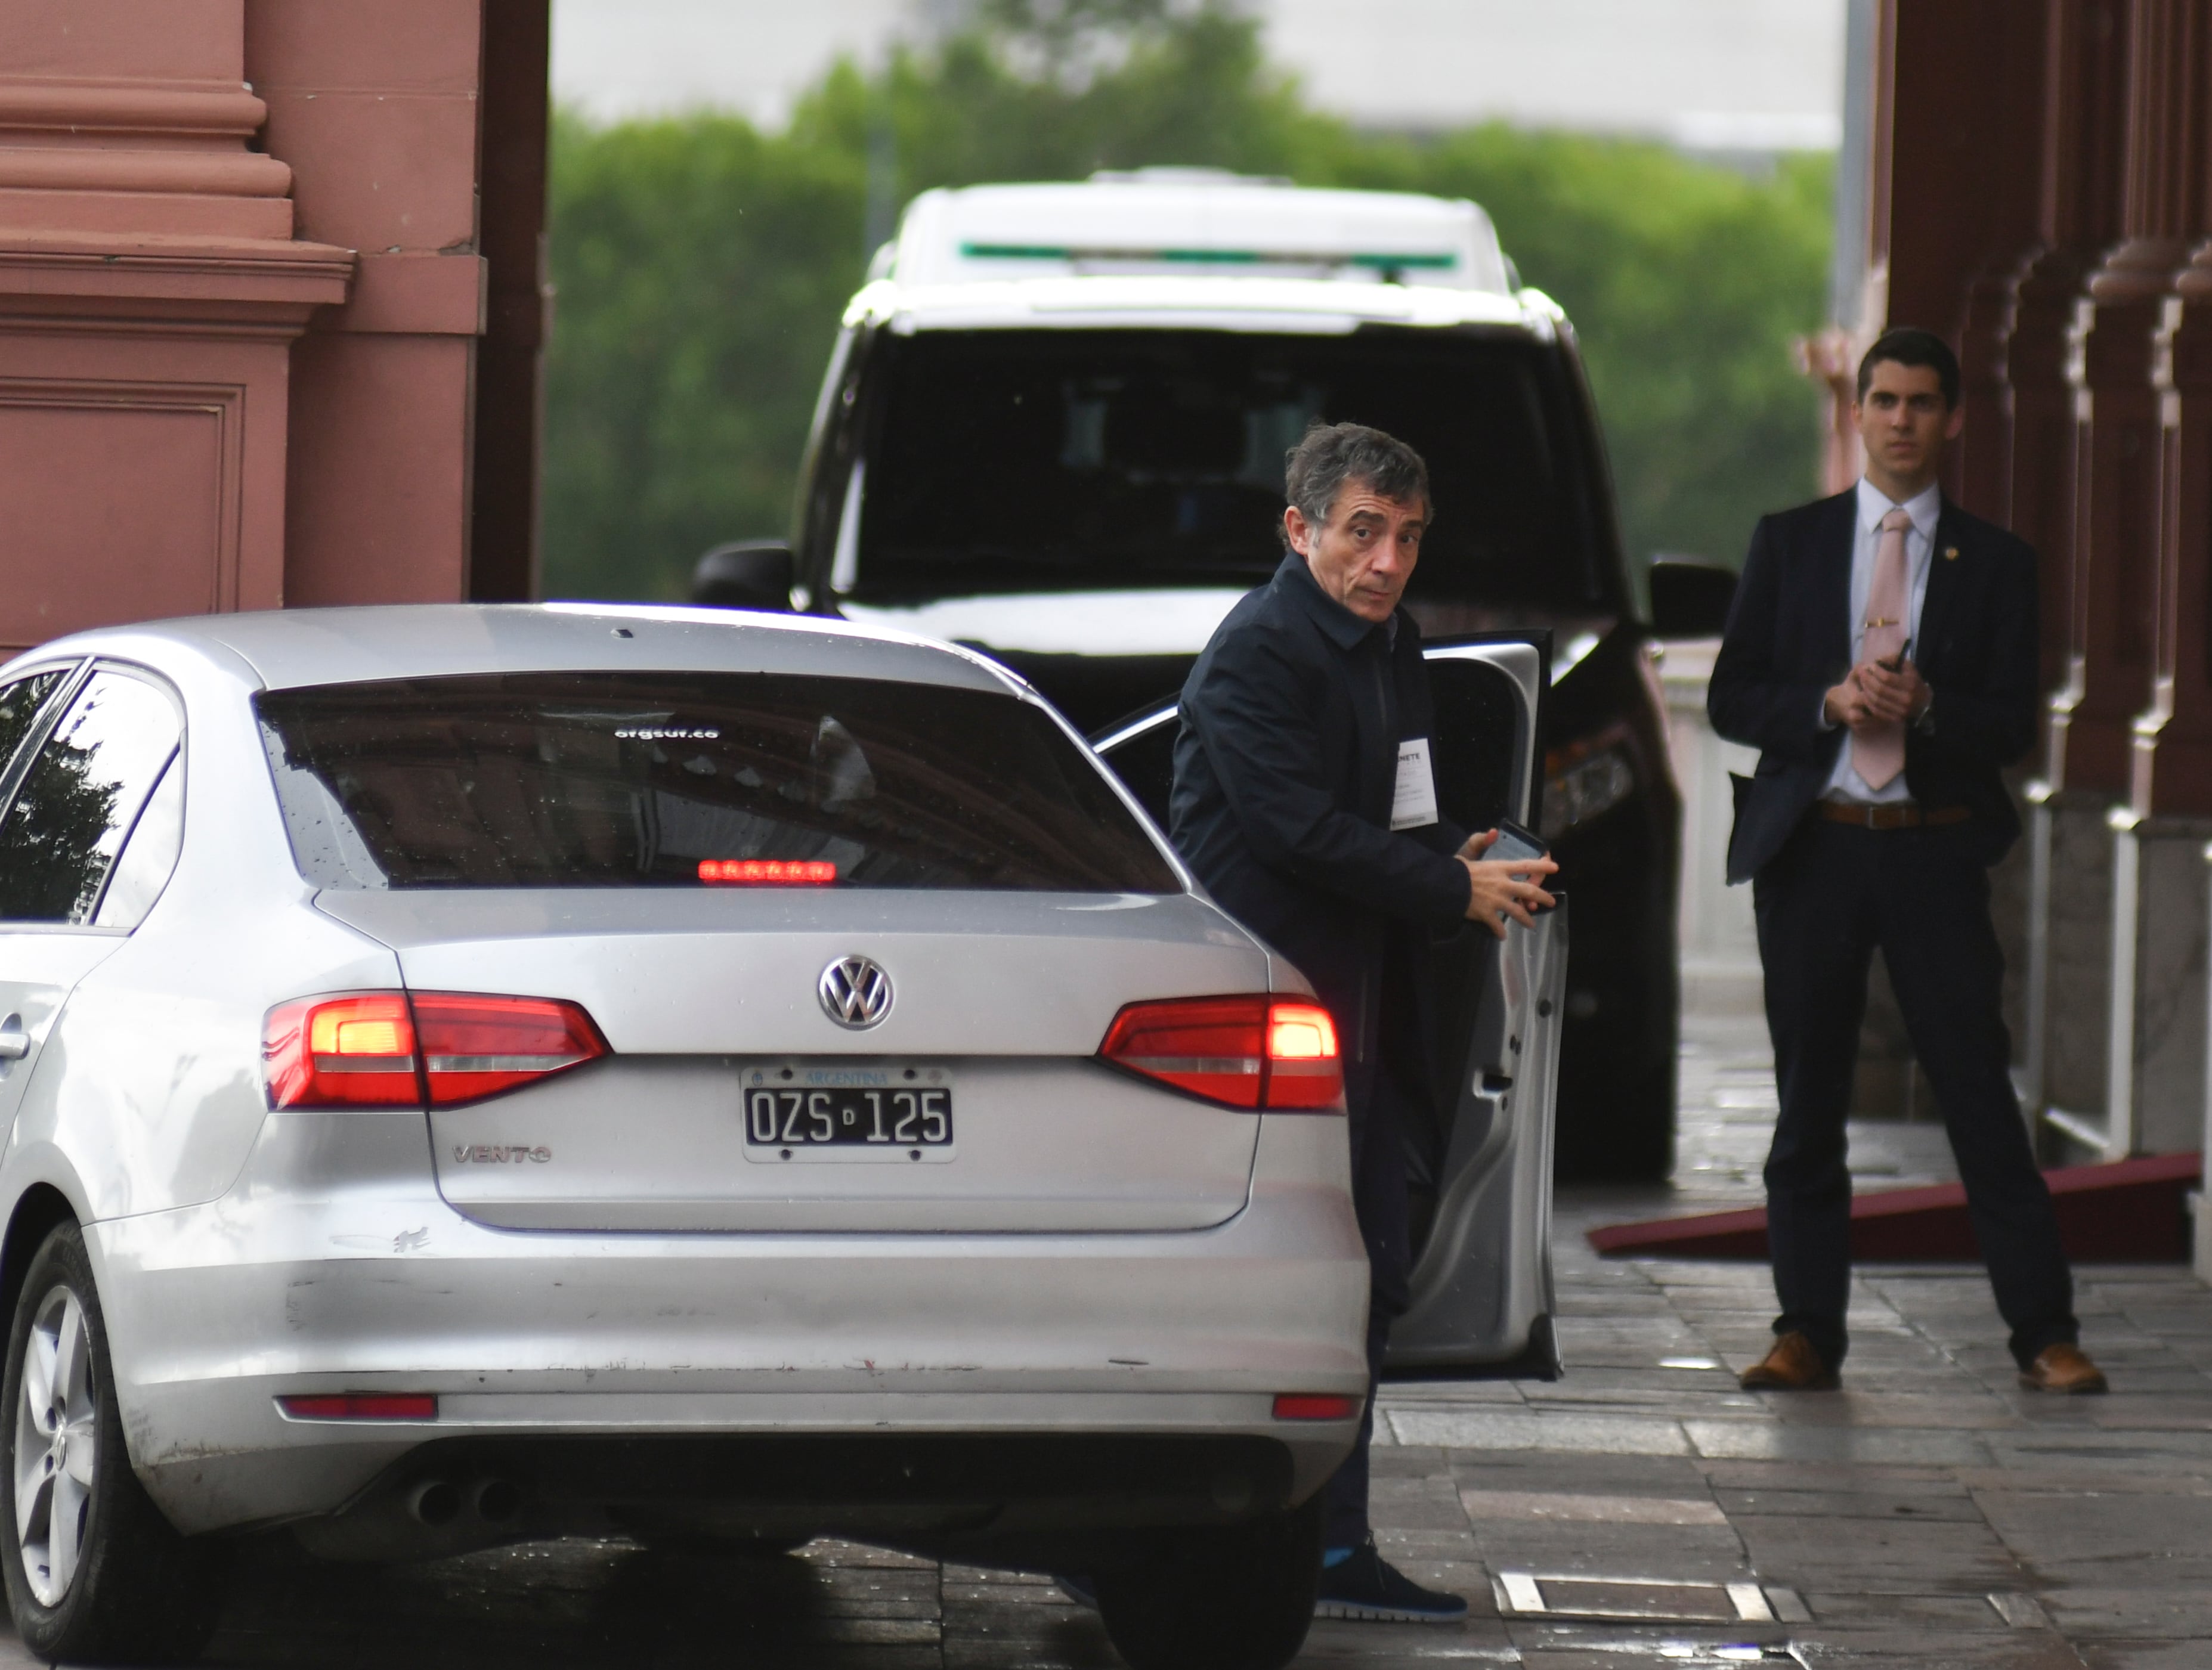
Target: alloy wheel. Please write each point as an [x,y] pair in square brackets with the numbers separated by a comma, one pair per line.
[56,1445]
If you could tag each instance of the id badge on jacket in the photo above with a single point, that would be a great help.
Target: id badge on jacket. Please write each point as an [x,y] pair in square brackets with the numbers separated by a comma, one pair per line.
[1413,802]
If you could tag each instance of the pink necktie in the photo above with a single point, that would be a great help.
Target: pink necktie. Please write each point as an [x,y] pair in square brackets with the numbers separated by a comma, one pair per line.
[1878,751]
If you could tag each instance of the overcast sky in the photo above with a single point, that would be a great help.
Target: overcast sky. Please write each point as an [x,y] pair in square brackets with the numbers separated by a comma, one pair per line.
[1711,74]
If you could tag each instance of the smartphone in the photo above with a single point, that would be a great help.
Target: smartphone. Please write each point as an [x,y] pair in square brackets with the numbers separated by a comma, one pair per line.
[1514,842]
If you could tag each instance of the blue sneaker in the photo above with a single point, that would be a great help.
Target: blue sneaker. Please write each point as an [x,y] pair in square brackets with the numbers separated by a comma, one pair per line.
[1365,1586]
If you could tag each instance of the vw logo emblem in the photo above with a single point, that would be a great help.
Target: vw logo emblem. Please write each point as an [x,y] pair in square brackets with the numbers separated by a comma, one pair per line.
[854,992]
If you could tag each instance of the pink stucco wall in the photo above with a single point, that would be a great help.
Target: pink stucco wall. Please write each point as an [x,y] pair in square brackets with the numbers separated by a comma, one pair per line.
[243,287]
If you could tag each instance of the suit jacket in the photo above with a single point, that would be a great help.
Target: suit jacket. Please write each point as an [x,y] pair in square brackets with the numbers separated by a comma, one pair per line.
[1789,640]
[1285,764]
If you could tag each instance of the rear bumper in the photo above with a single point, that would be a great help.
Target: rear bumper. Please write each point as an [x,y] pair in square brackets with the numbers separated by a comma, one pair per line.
[378,1285]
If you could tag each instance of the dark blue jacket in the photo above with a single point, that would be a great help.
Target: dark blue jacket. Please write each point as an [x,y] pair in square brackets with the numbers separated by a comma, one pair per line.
[1789,642]
[1284,768]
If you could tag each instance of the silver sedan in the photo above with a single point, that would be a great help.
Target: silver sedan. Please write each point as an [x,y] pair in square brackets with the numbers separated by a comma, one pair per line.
[486,1073]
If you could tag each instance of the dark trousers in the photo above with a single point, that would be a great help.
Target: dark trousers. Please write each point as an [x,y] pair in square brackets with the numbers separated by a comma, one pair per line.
[1378,1195]
[1825,902]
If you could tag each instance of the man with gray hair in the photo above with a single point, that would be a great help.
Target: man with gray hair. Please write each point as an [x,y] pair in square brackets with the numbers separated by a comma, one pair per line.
[1287,769]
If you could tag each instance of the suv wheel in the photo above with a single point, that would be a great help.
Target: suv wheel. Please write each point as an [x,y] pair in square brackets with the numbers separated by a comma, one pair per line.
[93,1573]
[1239,1598]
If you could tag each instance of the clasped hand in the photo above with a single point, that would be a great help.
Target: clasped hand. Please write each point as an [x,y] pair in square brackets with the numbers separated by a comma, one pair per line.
[1503,888]
[1876,693]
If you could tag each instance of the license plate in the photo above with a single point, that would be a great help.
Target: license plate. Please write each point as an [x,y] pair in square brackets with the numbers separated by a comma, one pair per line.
[797,1111]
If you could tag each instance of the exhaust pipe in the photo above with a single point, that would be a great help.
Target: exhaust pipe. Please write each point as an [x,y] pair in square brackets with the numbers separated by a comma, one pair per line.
[434,1503]
[496,1501]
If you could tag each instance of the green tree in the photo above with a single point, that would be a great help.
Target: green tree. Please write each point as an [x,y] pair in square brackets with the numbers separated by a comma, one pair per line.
[701,267]
[1687,283]
[1191,89]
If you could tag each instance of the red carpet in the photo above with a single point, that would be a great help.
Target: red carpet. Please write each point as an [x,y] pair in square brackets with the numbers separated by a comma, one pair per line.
[2129,1211]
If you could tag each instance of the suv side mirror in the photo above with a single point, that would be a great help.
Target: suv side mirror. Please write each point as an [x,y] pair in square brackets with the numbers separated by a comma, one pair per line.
[1691,600]
[748,573]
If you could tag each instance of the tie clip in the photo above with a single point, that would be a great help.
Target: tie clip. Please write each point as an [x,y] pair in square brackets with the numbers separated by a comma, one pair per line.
[1883,623]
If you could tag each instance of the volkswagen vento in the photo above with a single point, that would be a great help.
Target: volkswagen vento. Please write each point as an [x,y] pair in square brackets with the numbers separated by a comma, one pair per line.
[479,1074]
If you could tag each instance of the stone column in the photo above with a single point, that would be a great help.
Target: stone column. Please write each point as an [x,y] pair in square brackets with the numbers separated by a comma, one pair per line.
[2169,812]
[2125,637]
[2200,1203]
[378,108]
[503,538]
[150,288]
[2015,346]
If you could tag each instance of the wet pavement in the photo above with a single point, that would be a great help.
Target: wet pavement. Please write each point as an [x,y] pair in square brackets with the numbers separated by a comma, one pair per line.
[1930,1514]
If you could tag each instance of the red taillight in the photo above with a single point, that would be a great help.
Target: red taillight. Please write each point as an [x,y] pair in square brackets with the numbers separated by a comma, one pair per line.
[350,1052]
[394,1049]
[1303,1069]
[476,1047]
[1248,1052]
[362,1406]
[767,872]
[1314,1406]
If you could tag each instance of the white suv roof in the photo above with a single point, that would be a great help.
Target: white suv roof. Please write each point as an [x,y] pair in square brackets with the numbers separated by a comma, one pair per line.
[1191,222]
[1193,247]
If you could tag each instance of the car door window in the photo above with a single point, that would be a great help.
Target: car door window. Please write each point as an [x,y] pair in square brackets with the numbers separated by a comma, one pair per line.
[149,855]
[20,702]
[1481,745]
[83,792]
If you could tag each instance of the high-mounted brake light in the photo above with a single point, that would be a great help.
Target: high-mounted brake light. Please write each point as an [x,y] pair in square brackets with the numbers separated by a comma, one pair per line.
[1247,1052]
[362,1407]
[767,872]
[396,1049]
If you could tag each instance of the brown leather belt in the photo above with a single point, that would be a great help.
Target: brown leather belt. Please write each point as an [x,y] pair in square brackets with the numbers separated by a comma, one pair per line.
[1897,815]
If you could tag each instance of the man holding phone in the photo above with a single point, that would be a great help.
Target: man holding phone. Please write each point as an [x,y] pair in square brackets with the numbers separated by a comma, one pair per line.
[1882,656]
[1305,802]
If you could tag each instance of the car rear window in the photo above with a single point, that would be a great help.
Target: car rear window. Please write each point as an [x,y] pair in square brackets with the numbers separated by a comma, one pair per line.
[622,779]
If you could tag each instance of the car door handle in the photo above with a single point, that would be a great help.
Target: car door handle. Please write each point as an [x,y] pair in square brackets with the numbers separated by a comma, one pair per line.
[15,1041]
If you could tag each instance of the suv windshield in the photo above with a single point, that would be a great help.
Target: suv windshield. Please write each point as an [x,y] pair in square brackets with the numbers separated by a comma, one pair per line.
[663,780]
[1027,460]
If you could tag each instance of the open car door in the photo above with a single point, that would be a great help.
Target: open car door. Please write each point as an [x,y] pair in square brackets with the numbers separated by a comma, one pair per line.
[1480,1172]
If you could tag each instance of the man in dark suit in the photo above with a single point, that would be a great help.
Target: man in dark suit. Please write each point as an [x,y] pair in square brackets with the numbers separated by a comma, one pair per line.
[1881,656]
[1302,805]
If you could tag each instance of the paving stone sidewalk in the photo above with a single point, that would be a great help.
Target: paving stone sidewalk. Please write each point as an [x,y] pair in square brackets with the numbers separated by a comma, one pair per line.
[1930,1514]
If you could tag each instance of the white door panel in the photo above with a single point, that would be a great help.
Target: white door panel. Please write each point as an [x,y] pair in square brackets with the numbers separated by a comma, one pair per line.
[1481,1288]
[1482,1284]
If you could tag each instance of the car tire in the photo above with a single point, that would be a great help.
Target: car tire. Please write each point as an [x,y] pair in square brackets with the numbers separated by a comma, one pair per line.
[98,1576]
[1237,1598]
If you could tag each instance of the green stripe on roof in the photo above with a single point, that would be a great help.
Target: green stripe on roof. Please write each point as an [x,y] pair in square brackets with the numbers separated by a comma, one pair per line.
[1446,259]
[1243,257]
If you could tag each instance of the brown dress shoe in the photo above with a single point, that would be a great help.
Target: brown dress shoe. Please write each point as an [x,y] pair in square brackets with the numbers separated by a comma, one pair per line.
[2063,1368]
[1792,1366]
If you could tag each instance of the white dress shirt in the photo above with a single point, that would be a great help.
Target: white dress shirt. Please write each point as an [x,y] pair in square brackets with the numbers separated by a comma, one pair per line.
[1845,783]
